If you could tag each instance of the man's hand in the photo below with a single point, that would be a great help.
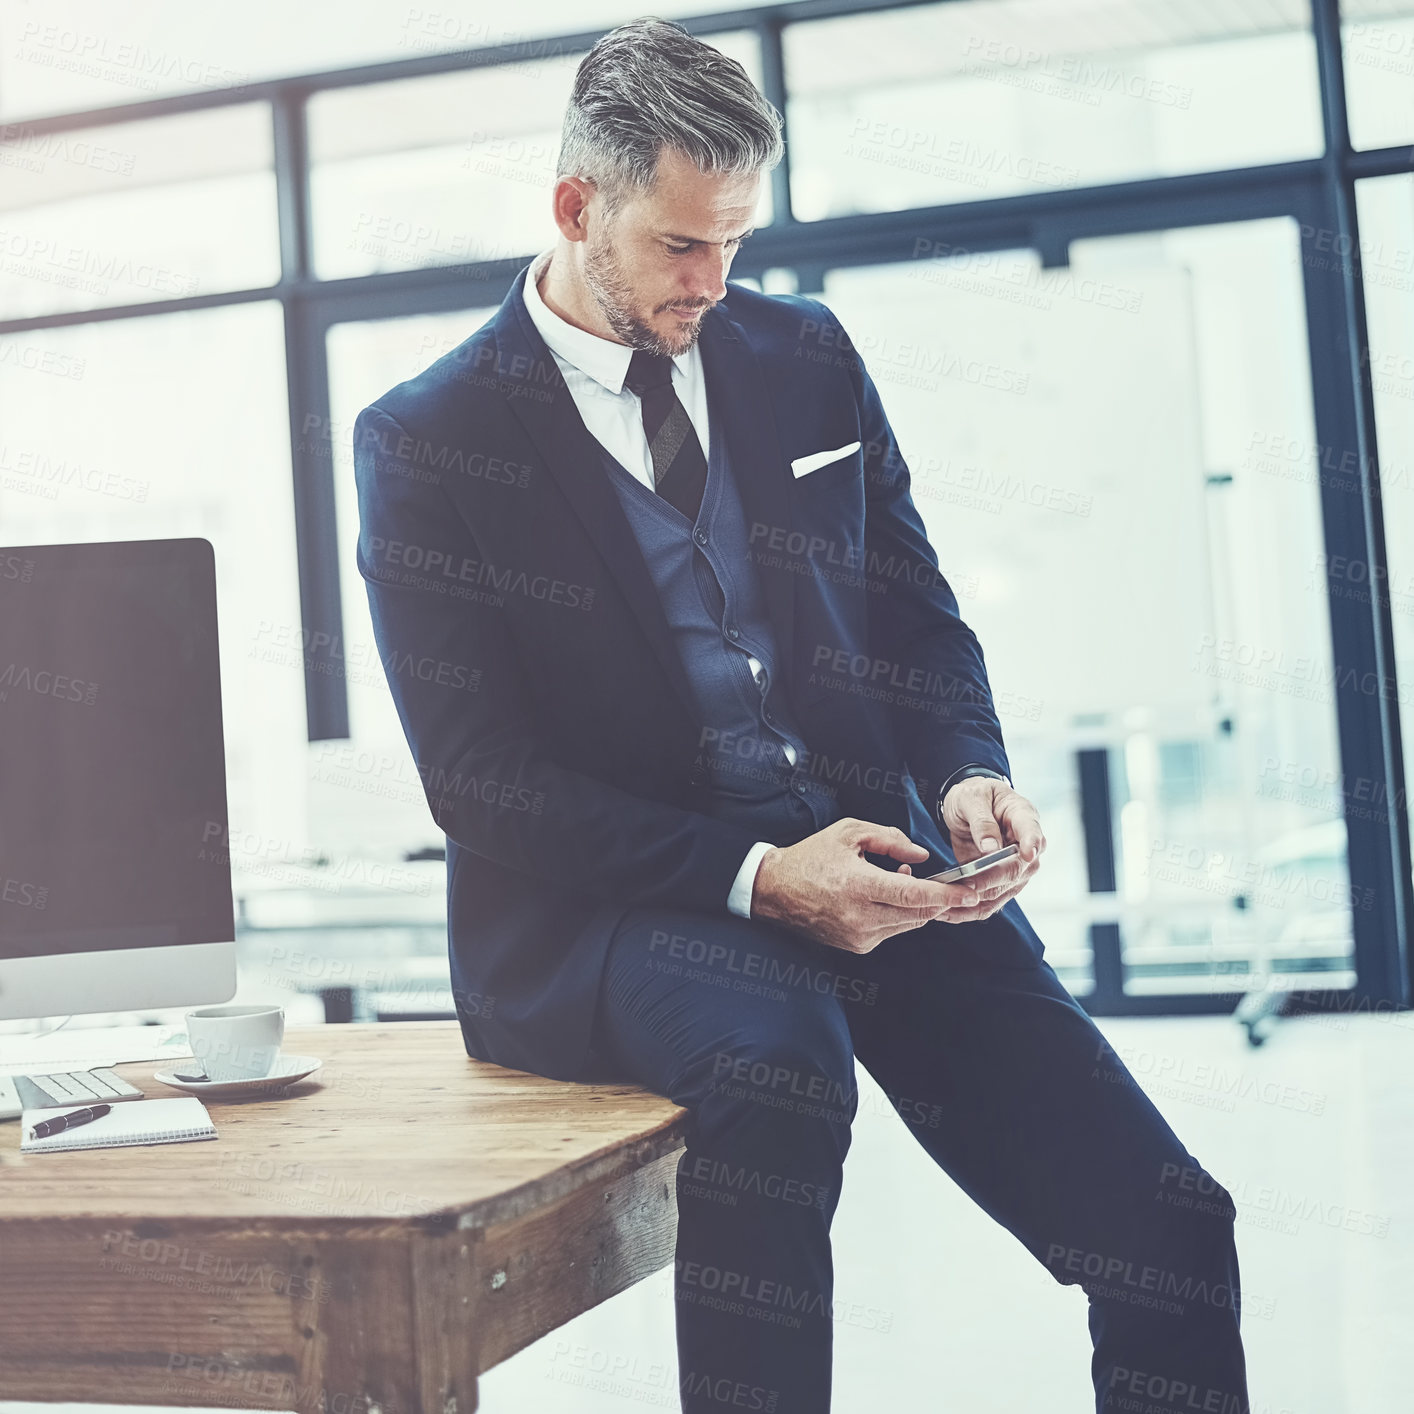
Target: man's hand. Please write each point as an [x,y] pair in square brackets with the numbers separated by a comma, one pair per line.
[981,815]
[823,887]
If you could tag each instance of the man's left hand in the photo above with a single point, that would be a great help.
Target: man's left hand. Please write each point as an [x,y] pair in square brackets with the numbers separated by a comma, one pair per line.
[982,815]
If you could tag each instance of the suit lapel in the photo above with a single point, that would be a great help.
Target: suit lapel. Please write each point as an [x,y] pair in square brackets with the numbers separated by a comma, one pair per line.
[542,402]
[740,412]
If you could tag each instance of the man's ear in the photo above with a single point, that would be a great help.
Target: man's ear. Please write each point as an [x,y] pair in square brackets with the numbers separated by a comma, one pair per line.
[569,205]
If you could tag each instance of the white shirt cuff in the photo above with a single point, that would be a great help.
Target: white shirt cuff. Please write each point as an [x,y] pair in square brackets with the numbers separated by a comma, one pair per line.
[739,900]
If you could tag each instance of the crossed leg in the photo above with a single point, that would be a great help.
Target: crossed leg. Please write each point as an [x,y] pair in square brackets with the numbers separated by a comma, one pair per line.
[755,1031]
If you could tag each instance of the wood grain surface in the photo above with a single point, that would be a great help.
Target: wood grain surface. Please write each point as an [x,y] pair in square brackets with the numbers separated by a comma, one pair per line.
[400,1123]
[367,1243]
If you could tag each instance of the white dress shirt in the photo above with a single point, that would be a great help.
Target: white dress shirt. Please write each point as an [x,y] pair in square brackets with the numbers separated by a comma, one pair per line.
[594,370]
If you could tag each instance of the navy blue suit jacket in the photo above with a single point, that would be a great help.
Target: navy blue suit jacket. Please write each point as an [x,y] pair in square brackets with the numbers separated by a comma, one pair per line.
[539,686]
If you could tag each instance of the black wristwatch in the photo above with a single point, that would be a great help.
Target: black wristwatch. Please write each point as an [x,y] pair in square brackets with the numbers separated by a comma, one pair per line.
[961,774]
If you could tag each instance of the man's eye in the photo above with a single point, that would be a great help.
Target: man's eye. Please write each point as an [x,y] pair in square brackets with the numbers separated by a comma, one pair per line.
[679,249]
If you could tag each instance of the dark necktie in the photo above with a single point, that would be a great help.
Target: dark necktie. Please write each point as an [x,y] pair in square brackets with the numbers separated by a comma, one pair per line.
[679,468]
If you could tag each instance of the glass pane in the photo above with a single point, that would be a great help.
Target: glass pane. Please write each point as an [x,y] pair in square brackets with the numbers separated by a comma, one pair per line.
[453,169]
[176,425]
[986,98]
[1378,40]
[1089,449]
[1385,207]
[368,788]
[133,212]
[91,55]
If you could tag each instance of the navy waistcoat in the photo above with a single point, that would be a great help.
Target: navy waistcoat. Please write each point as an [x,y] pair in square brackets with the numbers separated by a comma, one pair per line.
[717,613]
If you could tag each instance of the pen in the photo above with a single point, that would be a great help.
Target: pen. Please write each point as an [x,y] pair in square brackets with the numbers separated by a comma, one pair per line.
[72,1120]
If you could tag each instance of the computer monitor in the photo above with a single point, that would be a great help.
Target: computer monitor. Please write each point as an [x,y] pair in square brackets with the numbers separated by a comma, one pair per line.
[115,877]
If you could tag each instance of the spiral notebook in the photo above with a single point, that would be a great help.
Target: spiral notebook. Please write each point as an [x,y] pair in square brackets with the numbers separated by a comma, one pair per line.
[171,1121]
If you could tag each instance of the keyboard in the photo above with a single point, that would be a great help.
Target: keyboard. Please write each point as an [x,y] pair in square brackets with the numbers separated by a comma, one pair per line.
[69,1087]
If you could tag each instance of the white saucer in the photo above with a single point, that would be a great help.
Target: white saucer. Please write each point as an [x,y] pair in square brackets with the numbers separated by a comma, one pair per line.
[287,1070]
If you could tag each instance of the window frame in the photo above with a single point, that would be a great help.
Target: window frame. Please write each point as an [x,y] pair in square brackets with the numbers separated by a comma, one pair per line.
[1318,192]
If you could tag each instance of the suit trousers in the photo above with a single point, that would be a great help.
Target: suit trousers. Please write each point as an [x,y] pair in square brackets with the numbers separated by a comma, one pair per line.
[997,1072]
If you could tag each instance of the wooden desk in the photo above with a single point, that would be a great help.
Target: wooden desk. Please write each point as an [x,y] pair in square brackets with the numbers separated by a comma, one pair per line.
[399,1222]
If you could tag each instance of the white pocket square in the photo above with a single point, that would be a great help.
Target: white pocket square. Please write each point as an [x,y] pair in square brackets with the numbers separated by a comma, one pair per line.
[816,460]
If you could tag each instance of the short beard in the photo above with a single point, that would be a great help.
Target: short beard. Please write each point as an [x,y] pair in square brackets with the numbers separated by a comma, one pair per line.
[605,280]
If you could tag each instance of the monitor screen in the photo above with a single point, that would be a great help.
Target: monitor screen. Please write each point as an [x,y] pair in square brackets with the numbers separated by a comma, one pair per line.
[113,829]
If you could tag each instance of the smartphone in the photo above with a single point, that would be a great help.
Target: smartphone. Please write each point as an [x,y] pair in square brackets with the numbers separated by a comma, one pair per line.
[976,866]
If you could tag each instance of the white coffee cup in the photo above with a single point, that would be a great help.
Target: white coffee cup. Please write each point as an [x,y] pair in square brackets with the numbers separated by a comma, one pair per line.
[236,1042]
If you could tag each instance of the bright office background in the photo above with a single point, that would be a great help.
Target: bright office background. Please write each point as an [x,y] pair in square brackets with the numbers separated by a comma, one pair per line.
[1129,507]
[1127,504]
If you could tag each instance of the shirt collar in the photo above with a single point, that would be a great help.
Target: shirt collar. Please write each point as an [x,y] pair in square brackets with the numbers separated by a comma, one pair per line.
[603,360]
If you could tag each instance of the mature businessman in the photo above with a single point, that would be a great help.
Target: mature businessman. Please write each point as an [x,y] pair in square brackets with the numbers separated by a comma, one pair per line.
[694,706]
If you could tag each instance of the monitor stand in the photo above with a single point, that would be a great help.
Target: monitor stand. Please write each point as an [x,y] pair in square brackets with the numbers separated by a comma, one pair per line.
[29,1029]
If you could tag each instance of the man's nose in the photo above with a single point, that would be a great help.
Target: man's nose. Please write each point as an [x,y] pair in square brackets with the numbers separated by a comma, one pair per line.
[709,275]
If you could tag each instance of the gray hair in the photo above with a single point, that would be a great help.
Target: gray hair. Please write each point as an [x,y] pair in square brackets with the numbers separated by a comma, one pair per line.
[650,84]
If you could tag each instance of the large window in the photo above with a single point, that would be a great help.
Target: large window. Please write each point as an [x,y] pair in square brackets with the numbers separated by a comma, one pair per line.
[130,213]
[1094,255]
[176,426]
[72,57]
[982,98]
[1378,39]
[1100,456]
[450,170]
[366,790]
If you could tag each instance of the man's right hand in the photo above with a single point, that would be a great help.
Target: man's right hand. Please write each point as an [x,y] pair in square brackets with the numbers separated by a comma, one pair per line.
[824,888]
